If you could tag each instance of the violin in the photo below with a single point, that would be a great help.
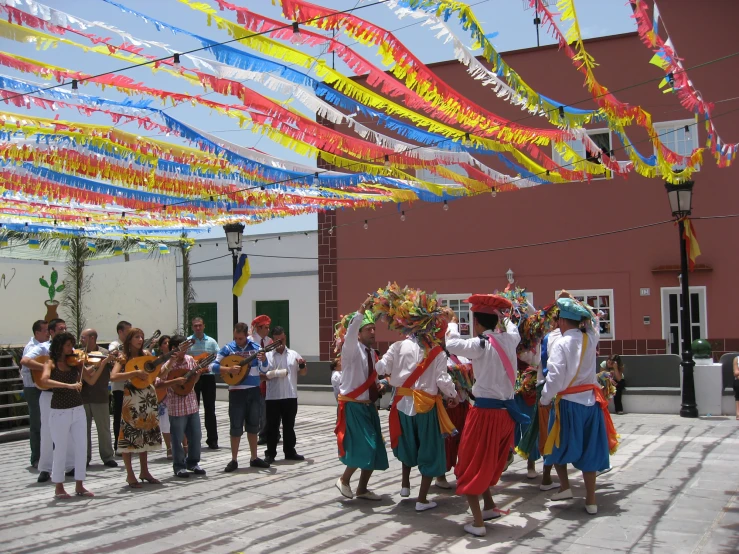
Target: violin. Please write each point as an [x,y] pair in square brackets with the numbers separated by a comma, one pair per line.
[80,357]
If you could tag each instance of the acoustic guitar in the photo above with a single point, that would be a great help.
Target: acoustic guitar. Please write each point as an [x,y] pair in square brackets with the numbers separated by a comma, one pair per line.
[189,375]
[244,364]
[36,375]
[152,365]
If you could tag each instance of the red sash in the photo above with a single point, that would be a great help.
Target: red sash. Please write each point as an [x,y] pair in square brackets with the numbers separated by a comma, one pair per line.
[394,419]
[340,429]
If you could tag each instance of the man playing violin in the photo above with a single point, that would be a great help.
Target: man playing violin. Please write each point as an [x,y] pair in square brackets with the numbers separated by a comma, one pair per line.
[243,399]
[95,397]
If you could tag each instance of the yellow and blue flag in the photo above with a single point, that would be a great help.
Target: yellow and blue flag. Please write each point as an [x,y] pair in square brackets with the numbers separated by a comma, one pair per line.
[33,244]
[241,275]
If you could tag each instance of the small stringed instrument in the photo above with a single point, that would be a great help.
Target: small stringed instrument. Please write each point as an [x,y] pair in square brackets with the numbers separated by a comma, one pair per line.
[152,365]
[244,363]
[188,374]
[36,375]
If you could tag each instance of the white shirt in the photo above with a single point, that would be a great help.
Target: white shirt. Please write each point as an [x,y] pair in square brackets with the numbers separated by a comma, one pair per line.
[553,337]
[336,383]
[279,388]
[354,368]
[402,359]
[33,349]
[116,385]
[563,363]
[256,338]
[491,379]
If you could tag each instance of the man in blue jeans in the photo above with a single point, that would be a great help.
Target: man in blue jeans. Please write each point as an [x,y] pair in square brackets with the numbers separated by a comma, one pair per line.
[184,416]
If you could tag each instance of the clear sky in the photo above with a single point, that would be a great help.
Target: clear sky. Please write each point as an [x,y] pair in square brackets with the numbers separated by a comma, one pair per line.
[513,24]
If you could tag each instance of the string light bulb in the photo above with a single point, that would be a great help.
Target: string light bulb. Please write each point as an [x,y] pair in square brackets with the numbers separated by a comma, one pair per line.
[366,225]
[493,193]
[446,206]
[402,216]
[296,27]
[177,61]
[330,230]
[75,86]
[387,160]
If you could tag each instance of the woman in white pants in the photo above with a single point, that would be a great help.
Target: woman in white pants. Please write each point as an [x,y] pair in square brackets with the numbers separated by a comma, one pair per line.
[67,422]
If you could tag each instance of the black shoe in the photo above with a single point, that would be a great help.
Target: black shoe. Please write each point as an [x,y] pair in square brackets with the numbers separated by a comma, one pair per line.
[269,459]
[262,441]
[233,465]
[258,462]
[197,470]
[111,463]
[69,473]
[213,446]
[297,457]
[44,476]
[183,474]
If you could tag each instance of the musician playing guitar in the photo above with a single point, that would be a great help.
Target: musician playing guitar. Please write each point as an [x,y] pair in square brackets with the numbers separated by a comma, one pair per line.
[243,398]
[184,416]
[140,431]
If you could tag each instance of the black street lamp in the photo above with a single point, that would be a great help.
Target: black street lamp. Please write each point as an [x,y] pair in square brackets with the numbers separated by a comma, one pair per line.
[234,236]
[681,199]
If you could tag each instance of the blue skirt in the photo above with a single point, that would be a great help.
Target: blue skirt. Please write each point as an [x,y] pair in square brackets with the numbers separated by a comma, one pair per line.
[364,446]
[421,443]
[583,441]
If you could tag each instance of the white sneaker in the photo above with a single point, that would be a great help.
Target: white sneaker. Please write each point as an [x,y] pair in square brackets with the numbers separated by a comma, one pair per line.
[548,487]
[477,531]
[592,509]
[487,515]
[369,495]
[345,490]
[562,495]
[405,492]
[421,507]
[531,474]
[443,484]
[599,473]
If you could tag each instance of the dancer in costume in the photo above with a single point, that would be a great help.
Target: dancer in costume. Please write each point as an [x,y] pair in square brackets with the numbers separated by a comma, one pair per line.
[580,428]
[488,432]
[358,432]
[418,420]
[525,397]
[460,370]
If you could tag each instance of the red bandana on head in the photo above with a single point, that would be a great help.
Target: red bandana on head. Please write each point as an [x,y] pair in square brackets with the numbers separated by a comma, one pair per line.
[261,320]
[488,303]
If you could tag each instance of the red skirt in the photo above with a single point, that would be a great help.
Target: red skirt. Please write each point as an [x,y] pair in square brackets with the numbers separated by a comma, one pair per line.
[483,450]
[458,416]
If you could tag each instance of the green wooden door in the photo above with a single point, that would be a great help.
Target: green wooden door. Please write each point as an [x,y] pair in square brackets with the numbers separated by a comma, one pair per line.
[279,313]
[209,312]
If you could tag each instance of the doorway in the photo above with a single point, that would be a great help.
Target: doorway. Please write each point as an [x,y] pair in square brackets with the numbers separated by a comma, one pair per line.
[278,311]
[671,313]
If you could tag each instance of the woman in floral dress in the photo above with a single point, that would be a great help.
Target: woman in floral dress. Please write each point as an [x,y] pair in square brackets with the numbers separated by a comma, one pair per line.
[140,426]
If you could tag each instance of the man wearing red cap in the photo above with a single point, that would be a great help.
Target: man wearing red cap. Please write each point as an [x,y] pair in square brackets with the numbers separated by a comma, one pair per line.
[260,335]
[488,431]
[418,420]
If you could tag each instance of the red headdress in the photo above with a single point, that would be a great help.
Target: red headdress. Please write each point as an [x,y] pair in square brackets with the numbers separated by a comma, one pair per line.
[261,320]
[488,303]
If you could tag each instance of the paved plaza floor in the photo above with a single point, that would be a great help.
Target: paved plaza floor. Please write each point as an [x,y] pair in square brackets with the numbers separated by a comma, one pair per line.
[674,488]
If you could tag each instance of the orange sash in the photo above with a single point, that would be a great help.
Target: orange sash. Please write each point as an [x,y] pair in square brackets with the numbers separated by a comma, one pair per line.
[394,419]
[553,438]
[340,429]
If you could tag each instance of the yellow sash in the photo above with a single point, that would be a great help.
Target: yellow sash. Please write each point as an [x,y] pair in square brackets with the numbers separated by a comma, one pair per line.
[425,402]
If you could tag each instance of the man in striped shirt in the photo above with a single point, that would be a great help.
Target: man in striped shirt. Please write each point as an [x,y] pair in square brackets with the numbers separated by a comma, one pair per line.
[184,416]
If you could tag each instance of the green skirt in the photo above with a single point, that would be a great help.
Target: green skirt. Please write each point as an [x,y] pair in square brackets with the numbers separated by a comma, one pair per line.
[421,443]
[528,446]
[364,446]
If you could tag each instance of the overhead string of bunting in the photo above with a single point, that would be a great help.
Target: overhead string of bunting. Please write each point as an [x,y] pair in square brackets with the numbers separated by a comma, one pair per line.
[93,177]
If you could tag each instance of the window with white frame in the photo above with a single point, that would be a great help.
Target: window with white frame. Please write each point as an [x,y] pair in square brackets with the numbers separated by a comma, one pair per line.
[679,136]
[601,137]
[600,300]
[462,310]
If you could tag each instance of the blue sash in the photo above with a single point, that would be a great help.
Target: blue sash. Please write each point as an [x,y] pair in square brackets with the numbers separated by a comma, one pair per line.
[509,405]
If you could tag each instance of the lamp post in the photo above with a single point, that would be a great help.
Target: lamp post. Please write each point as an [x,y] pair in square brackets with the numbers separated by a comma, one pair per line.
[681,199]
[234,236]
